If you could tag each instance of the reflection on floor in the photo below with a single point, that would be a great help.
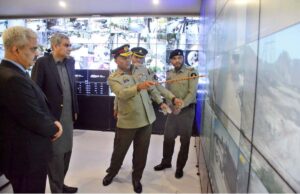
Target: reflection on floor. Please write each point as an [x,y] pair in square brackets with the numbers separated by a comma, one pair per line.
[91,156]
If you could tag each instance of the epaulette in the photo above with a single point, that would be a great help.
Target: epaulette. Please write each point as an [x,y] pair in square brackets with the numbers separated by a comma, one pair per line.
[191,68]
[193,71]
[116,74]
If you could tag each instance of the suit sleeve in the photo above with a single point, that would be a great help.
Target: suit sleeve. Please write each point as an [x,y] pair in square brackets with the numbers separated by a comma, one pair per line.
[25,104]
[37,74]
[74,94]
[76,107]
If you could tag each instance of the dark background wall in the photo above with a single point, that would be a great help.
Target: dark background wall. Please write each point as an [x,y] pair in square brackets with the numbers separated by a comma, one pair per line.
[96,113]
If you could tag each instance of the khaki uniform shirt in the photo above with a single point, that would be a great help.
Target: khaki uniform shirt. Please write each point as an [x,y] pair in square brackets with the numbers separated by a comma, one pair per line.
[162,90]
[143,74]
[185,89]
[135,108]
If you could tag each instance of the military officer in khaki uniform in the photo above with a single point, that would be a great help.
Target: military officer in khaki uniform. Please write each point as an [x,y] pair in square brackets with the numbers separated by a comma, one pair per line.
[181,121]
[135,116]
[138,69]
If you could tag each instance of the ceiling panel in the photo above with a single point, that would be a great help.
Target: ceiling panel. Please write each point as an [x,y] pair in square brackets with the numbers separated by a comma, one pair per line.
[38,8]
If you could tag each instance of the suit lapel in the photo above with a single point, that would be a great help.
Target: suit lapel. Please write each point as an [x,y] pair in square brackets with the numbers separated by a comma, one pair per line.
[54,70]
[38,89]
[70,74]
[19,71]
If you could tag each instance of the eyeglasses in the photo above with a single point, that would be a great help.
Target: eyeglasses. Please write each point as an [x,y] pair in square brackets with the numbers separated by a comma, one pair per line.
[67,45]
[34,49]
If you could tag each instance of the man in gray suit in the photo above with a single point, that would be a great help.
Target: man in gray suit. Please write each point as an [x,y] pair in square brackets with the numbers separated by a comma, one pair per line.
[54,73]
[135,116]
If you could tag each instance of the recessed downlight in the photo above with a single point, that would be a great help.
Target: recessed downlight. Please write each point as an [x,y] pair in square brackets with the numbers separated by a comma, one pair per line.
[155,2]
[62,4]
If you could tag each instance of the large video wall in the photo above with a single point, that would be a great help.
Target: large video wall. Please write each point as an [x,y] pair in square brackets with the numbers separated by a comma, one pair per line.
[251,126]
[93,38]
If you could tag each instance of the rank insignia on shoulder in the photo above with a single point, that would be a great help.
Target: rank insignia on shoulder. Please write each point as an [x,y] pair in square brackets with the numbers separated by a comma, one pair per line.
[114,74]
[193,71]
[117,74]
[193,74]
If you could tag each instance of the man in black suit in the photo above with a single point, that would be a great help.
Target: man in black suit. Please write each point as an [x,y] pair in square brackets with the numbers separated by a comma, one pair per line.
[55,74]
[26,125]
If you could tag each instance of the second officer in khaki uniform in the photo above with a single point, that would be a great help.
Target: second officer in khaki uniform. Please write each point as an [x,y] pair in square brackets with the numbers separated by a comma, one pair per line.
[181,121]
[135,117]
[138,59]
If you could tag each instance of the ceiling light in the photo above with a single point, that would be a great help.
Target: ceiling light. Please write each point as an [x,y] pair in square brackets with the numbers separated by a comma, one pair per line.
[241,2]
[155,2]
[62,4]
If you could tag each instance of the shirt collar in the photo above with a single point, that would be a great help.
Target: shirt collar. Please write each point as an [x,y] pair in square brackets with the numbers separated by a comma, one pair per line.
[58,61]
[16,64]
[182,69]
[121,72]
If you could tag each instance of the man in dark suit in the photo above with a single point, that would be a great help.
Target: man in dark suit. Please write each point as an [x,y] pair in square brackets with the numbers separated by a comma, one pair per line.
[26,125]
[55,75]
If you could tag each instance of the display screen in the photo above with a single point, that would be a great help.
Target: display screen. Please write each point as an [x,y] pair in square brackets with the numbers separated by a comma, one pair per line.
[223,160]
[276,126]
[93,38]
[92,82]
